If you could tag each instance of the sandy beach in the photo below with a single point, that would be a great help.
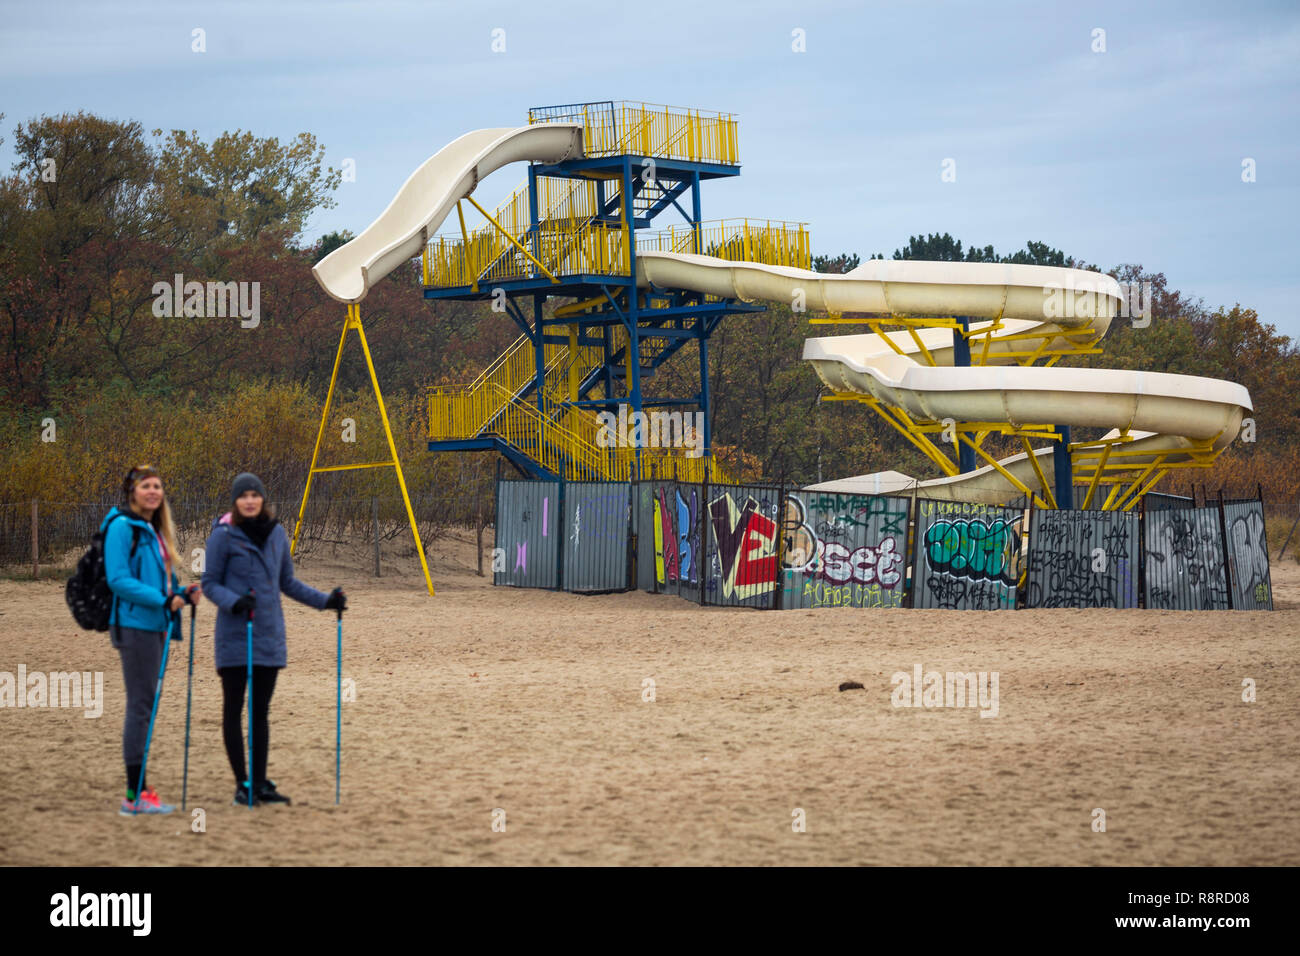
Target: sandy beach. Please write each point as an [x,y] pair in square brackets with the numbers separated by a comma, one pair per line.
[532,703]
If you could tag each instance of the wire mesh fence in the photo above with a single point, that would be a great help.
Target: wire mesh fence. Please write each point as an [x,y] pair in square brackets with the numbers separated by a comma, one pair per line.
[53,534]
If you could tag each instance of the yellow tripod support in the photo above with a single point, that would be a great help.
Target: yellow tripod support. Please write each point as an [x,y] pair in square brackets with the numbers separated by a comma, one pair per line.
[353,321]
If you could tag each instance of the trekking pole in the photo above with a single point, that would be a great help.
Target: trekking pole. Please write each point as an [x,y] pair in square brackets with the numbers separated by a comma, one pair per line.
[148,740]
[189,697]
[249,782]
[338,713]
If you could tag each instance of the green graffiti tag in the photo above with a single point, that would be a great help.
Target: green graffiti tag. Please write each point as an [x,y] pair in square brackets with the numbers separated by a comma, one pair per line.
[982,550]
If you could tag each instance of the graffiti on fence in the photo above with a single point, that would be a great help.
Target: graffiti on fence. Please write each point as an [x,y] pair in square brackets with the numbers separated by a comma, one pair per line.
[1252,588]
[596,545]
[1184,560]
[1082,559]
[843,550]
[676,535]
[746,541]
[523,534]
[975,548]
[968,556]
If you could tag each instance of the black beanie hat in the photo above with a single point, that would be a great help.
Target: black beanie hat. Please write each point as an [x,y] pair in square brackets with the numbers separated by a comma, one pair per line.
[246,481]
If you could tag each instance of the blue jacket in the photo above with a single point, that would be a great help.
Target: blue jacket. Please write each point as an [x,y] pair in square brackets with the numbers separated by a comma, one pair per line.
[233,564]
[138,581]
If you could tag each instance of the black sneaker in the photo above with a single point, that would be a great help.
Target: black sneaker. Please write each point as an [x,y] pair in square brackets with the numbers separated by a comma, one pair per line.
[267,793]
[241,797]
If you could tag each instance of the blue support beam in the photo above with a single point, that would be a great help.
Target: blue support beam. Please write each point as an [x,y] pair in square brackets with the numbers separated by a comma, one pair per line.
[630,314]
[539,355]
[704,388]
[961,359]
[489,443]
[1063,477]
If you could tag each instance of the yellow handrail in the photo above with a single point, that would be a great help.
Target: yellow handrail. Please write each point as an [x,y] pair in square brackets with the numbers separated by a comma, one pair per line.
[566,440]
[591,248]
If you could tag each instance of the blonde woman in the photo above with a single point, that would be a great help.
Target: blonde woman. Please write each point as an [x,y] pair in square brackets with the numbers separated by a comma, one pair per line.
[140,560]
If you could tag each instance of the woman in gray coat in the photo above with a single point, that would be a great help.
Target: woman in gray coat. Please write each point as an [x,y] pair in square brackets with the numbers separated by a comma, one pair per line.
[247,567]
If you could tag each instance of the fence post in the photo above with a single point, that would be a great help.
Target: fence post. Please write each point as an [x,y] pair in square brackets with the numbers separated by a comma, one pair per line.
[1142,553]
[780,545]
[36,547]
[704,566]
[478,534]
[559,538]
[1029,556]
[496,520]
[1289,534]
[1227,552]
[631,537]
[374,518]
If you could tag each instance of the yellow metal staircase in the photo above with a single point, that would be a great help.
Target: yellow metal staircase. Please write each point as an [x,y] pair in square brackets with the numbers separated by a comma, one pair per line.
[586,228]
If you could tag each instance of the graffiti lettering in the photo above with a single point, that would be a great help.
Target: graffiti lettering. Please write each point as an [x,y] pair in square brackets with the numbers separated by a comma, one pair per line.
[973,548]
[746,542]
[1184,560]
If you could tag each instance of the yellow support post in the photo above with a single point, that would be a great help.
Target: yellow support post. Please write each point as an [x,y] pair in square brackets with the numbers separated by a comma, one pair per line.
[1137,482]
[875,327]
[573,361]
[997,466]
[353,321]
[1149,485]
[1038,472]
[514,242]
[320,433]
[464,238]
[929,359]
[1096,477]
[1110,498]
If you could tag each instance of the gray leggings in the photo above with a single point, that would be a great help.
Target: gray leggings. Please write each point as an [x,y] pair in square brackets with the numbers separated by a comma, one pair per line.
[141,653]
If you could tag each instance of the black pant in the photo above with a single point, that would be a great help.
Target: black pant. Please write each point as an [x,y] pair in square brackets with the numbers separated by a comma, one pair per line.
[233,680]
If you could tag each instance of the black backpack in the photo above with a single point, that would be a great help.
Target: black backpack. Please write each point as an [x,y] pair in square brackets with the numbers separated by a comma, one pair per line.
[87,592]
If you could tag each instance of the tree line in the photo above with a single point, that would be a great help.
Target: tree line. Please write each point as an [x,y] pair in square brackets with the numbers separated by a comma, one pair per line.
[96,213]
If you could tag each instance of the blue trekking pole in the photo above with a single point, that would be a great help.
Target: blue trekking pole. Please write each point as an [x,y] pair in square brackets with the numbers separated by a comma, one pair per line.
[249,782]
[148,740]
[338,713]
[189,697]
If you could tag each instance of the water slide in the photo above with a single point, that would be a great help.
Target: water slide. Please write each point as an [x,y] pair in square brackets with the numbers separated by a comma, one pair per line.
[430,194]
[1164,414]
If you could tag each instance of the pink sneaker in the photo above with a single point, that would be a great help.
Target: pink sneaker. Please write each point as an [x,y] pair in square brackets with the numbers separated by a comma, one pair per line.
[147,802]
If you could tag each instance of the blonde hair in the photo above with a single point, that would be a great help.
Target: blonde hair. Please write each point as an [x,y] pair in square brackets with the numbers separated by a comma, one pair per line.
[162,516]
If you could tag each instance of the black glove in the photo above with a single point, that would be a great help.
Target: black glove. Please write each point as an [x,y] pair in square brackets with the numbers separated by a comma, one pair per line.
[336,601]
[243,605]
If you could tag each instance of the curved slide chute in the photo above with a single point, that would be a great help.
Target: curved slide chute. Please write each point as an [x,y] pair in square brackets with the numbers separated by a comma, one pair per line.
[1163,414]
[428,197]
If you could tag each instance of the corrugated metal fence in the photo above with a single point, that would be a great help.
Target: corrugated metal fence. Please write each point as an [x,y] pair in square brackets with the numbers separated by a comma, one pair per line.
[967,556]
[766,547]
[843,550]
[1183,559]
[740,562]
[527,534]
[669,538]
[596,536]
[1247,546]
[1082,559]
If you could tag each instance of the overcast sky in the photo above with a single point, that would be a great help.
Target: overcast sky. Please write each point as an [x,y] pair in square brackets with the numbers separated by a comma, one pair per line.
[1130,155]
